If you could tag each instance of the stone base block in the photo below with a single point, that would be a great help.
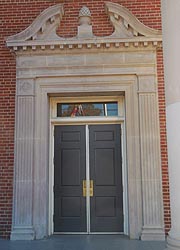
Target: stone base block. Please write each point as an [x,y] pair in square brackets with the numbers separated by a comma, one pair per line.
[22,233]
[153,234]
[173,244]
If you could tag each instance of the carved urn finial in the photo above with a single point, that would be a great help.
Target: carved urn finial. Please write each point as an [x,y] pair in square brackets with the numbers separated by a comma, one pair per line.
[85,27]
[84,16]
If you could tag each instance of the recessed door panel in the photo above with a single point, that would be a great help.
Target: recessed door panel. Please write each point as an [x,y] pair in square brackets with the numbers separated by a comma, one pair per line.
[105,206]
[104,163]
[71,163]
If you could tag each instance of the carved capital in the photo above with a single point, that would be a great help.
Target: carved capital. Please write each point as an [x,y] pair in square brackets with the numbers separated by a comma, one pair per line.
[147,84]
[25,87]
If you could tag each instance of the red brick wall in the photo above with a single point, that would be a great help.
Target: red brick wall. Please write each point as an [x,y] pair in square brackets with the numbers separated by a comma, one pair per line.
[164,159]
[15,16]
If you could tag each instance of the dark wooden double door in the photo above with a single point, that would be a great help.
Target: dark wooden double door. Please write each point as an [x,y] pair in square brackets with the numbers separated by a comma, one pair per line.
[99,147]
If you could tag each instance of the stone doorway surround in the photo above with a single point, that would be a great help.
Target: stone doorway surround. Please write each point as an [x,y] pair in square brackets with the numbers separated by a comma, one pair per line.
[48,65]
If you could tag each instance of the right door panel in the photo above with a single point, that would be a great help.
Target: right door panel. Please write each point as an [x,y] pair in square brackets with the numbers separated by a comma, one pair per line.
[106,172]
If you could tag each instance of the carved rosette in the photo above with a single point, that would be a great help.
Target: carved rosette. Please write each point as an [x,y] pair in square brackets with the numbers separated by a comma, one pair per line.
[25,87]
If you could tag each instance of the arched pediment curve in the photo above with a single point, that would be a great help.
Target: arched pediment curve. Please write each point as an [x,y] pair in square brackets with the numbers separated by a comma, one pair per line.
[43,27]
[126,24]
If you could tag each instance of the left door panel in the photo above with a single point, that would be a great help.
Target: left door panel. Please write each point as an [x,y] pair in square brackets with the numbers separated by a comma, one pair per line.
[69,173]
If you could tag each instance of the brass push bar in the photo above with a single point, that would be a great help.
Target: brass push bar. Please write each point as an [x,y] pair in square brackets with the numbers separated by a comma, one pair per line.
[91,188]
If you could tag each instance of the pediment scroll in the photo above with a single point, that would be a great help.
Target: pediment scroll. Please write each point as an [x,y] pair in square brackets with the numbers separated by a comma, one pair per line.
[43,27]
[126,25]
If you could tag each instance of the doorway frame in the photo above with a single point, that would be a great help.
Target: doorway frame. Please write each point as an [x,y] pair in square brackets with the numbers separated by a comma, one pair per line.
[54,121]
[139,84]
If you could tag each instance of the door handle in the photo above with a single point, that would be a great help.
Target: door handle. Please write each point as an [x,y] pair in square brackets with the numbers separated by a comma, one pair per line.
[91,191]
[84,188]
[91,188]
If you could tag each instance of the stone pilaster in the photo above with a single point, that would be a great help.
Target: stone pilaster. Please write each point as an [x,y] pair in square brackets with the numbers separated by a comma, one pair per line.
[23,180]
[171,41]
[153,228]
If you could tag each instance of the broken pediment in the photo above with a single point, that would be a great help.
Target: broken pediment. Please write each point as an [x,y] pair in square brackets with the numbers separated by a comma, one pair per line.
[42,32]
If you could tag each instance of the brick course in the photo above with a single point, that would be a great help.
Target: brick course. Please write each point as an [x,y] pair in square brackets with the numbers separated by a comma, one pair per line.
[15,16]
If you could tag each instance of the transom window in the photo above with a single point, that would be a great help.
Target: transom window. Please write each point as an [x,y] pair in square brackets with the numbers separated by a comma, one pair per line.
[87,109]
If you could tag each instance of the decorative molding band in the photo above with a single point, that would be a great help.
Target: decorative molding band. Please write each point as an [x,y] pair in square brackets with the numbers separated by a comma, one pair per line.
[91,44]
[129,31]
